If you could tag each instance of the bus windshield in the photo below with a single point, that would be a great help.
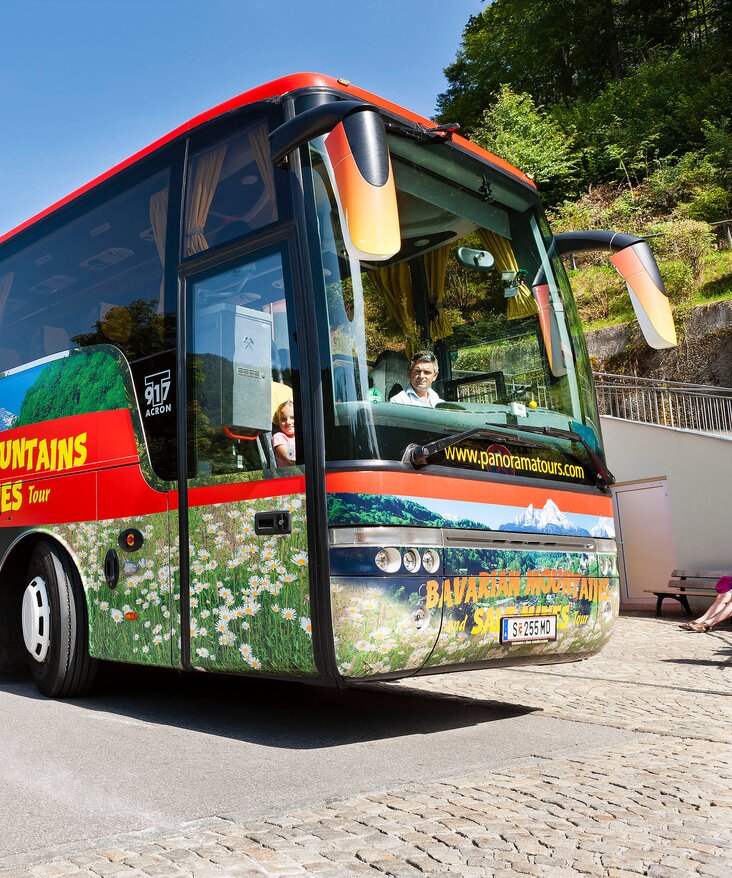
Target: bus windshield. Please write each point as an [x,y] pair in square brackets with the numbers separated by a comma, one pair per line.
[475,299]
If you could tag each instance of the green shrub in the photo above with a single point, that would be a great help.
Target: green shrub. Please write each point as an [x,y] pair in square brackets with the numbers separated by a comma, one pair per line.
[710,204]
[597,289]
[678,278]
[688,241]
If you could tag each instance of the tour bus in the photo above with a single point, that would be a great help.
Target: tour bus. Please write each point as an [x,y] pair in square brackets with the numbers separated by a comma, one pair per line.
[306,252]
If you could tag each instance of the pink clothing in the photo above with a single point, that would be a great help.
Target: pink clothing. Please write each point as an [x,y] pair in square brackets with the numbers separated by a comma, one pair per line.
[724,585]
[289,443]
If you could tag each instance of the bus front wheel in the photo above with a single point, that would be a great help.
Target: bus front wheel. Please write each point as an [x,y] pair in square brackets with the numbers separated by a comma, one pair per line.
[54,622]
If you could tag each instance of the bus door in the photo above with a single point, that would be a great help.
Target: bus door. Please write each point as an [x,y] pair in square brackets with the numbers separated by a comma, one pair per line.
[247,586]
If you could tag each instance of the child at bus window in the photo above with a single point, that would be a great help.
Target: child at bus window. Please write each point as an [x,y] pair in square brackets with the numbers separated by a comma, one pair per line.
[283,441]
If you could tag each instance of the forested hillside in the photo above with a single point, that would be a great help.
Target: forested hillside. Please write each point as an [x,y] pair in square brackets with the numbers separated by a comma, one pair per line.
[621,112]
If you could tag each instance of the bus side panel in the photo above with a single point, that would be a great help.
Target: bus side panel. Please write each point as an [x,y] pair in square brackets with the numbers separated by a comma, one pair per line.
[71,460]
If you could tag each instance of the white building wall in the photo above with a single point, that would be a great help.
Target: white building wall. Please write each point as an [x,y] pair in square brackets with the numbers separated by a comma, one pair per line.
[698,469]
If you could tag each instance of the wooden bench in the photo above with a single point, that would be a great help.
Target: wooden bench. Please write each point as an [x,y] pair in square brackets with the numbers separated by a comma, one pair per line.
[697,583]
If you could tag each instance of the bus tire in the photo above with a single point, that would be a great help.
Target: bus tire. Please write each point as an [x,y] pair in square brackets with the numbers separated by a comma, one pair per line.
[55,627]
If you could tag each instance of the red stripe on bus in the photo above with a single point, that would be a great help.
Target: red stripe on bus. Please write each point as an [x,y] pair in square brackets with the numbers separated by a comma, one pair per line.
[59,500]
[472,491]
[124,493]
[211,494]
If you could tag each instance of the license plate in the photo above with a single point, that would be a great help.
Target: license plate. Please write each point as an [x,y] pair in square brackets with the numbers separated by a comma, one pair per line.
[528,629]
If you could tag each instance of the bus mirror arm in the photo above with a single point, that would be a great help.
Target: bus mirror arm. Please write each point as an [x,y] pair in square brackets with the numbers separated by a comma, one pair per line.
[316,122]
[356,155]
[418,455]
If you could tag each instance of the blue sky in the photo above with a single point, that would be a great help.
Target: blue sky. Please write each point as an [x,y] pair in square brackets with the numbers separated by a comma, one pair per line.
[86,83]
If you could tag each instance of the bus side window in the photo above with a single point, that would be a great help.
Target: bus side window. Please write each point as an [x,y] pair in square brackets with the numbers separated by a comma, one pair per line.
[230,189]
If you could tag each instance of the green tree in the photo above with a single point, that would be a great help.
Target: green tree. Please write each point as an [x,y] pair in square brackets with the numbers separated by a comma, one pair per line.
[520,132]
[79,384]
[136,329]
[569,50]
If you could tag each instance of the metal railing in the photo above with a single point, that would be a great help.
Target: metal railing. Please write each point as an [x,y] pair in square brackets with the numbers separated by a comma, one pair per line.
[698,407]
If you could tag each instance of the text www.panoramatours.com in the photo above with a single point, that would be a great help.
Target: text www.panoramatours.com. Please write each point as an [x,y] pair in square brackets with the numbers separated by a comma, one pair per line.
[518,463]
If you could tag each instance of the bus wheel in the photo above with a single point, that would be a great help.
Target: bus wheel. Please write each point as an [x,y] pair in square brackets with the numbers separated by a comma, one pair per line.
[55,624]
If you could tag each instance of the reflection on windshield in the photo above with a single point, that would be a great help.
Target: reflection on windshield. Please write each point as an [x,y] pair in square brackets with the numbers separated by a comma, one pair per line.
[422,346]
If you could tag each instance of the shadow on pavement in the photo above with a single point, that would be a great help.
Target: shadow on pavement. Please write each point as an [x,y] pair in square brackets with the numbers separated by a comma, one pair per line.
[275,713]
[710,663]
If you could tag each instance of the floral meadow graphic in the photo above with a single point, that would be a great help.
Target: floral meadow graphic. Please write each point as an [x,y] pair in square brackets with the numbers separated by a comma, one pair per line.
[249,595]
[384,625]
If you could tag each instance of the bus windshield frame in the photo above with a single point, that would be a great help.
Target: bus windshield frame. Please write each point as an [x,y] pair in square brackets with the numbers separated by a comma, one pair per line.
[500,360]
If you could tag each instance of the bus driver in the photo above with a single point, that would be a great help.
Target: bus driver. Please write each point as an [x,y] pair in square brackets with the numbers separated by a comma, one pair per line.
[422,373]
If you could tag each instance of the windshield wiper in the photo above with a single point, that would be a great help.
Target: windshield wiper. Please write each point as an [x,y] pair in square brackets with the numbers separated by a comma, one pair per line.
[418,455]
[438,134]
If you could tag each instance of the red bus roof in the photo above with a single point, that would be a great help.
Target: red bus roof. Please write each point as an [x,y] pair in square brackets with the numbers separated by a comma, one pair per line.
[275,88]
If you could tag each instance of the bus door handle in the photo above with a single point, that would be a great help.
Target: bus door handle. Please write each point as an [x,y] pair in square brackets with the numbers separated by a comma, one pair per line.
[278,522]
[111,569]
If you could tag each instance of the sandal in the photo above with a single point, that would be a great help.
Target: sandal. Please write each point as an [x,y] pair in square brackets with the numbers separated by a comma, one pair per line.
[699,626]
[687,626]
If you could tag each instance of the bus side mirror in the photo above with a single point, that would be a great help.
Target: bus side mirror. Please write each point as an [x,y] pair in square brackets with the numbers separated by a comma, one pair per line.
[634,262]
[475,260]
[638,268]
[359,165]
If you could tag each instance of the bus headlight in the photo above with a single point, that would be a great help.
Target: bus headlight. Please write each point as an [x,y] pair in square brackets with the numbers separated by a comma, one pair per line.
[388,560]
[430,560]
[411,560]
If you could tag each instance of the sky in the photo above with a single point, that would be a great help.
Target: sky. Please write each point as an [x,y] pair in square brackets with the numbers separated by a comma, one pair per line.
[86,83]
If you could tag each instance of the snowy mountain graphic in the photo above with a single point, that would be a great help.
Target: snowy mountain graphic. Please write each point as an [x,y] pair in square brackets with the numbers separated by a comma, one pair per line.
[604,529]
[549,520]
[7,419]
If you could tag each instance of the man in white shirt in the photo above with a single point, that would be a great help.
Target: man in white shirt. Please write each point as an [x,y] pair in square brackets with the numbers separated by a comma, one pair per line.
[422,374]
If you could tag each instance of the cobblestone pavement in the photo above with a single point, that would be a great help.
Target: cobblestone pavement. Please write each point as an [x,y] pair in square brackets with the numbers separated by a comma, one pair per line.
[660,805]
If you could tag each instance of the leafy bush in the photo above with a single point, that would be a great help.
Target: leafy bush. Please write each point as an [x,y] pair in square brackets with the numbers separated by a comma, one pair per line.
[599,292]
[710,205]
[523,134]
[678,278]
[687,241]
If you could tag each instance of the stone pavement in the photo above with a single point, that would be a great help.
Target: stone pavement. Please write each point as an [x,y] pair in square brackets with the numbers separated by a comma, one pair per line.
[660,805]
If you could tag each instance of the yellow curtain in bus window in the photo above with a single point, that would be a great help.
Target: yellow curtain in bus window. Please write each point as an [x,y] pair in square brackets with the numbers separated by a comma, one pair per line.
[394,282]
[208,173]
[522,304]
[435,266]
